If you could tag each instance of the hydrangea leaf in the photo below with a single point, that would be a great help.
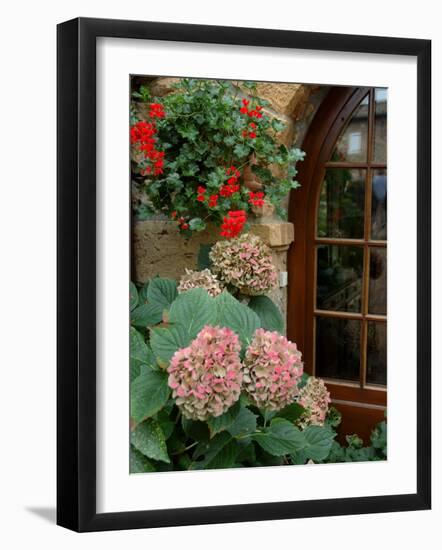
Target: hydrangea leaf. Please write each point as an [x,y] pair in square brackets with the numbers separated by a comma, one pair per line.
[193,310]
[148,438]
[138,463]
[146,315]
[236,316]
[195,429]
[133,296]
[244,423]
[149,393]
[219,423]
[204,261]
[220,452]
[292,412]
[268,313]
[161,292]
[319,440]
[280,438]
[140,354]
[165,341]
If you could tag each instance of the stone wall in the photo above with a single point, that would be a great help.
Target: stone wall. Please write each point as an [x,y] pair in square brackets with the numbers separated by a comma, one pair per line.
[159,249]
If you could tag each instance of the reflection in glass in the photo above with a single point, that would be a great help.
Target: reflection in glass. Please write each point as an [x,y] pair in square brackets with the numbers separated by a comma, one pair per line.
[337,348]
[380,125]
[339,277]
[377,298]
[377,353]
[352,143]
[379,205]
[341,204]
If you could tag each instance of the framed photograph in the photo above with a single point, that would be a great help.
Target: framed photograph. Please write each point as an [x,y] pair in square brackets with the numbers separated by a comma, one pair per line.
[227,347]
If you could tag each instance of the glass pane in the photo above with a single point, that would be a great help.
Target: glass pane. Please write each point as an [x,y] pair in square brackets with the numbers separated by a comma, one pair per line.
[339,277]
[380,125]
[337,348]
[377,353]
[341,204]
[379,205]
[352,143]
[377,299]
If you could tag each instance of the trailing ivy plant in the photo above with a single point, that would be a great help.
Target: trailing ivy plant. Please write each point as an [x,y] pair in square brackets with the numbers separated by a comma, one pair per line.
[166,433]
[192,149]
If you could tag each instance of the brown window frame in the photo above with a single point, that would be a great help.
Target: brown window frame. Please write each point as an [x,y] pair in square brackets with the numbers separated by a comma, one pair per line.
[331,119]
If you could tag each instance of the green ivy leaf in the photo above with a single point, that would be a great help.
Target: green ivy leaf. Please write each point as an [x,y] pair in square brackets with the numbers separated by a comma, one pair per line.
[165,341]
[319,440]
[161,292]
[133,296]
[193,310]
[149,393]
[268,313]
[138,463]
[280,438]
[148,438]
[219,423]
[237,316]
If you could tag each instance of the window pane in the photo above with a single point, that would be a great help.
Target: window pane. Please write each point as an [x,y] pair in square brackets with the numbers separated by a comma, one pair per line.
[377,301]
[379,205]
[352,143]
[377,353]
[337,348]
[339,277]
[341,204]
[380,125]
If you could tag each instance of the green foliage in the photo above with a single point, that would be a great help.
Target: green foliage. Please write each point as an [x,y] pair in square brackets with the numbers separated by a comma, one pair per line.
[202,133]
[236,316]
[149,393]
[219,423]
[139,463]
[193,310]
[268,313]
[244,436]
[148,438]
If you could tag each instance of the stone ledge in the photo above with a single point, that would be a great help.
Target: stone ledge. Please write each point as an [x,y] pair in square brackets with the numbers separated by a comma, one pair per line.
[275,234]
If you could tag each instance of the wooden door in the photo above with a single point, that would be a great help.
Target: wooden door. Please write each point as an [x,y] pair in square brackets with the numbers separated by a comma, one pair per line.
[338,262]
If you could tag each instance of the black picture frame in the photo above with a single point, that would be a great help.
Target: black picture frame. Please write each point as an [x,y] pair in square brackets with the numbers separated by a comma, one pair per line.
[76,273]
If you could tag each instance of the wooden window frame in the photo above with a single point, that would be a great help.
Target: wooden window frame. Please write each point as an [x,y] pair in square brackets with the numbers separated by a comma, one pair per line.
[331,119]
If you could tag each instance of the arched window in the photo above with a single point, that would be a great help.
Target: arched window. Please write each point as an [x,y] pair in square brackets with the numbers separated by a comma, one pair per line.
[337,309]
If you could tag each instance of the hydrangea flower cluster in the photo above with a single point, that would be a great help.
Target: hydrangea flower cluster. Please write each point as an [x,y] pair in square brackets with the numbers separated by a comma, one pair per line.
[206,376]
[200,279]
[272,370]
[245,263]
[315,398]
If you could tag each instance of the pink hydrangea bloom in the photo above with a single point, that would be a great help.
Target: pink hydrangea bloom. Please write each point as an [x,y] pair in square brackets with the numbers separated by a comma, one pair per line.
[200,279]
[206,376]
[245,263]
[315,398]
[272,369]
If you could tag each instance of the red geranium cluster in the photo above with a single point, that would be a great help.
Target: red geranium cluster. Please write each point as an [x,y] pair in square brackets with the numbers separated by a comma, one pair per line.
[181,221]
[201,197]
[233,223]
[142,134]
[256,199]
[252,113]
[232,185]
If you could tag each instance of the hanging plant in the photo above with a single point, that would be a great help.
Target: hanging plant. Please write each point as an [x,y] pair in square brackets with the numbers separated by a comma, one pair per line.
[204,154]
